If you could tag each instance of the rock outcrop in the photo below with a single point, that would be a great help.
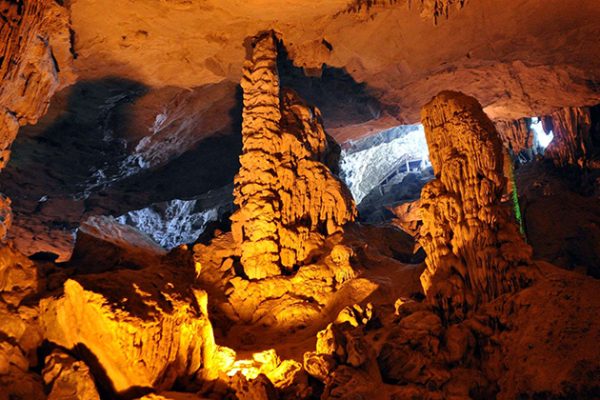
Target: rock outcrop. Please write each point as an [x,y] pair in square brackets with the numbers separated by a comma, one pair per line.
[20,334]
[138,330]
[68,378]
[473,247]
[288,199]
[35,62]
[572,140]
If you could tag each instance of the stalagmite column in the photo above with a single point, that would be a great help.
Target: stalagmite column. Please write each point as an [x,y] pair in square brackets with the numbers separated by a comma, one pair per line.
[288,199]
[35,62]
[255,224]
[572,142]
[472,243]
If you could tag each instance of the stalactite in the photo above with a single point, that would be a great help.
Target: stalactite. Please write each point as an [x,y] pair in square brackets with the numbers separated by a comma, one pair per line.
[516,135]
[288,199]
[428,9]
[572,141]
[473,246]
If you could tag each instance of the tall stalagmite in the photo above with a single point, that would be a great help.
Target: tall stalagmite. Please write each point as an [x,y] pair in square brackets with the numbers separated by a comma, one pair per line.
[35,62]
[472,243]
[288,199]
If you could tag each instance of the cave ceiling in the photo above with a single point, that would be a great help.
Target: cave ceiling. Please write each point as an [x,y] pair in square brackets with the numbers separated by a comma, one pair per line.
[513,59]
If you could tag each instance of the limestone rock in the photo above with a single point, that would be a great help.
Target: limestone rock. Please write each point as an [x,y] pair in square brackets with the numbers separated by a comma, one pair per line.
[428,9]
[103,244]
[143,328]
[69,379]
[21,327]
[35,62]
[572,143]
[18,276]
[516,135]
[473,247]
[408,217]
[548,348]
[15,380]
[288,199]
[259,388]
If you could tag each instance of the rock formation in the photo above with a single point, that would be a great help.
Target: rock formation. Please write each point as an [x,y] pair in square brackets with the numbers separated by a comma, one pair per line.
[473,248]
[572,141]
[288,199]
[428,9]
[138,330]
[69,378]
[516,135]
[35,62]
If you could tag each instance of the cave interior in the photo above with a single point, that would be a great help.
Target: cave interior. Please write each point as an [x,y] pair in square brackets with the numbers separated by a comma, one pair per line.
[294,199]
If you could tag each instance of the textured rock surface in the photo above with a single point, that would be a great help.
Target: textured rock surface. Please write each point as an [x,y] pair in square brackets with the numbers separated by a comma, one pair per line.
[69,379]
[110,146]
[20,333]
[35,62]
[572,140]
[388,47]
[136,329]
[516,135]
[428,9]
[473,248]
[288,199]
[104,244]
[562,221]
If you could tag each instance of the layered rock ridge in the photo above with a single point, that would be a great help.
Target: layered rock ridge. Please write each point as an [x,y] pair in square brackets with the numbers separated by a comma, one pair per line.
[288,199]
[474,250]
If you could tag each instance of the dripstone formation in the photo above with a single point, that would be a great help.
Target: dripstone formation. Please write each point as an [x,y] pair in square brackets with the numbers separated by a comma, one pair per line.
[516,135]
[288,199]
[572,142]
[471,240]
[35,62]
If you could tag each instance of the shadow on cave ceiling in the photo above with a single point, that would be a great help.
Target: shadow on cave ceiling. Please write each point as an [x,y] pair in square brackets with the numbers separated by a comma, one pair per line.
[78,159]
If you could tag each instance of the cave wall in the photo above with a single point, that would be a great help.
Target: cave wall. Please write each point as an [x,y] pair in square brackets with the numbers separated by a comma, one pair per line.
[35,62]
[402,59]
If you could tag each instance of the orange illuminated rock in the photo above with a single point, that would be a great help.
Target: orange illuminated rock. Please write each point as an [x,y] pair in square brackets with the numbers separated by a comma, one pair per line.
[15,380]
[136,329]
[289,201]
[572,142]
[35,62]
[69,379]
[471,240]
[428,9]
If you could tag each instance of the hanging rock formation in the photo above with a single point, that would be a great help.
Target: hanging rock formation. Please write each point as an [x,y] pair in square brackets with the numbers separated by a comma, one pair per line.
[35,62]
[472,243]
[428,9]
[572,141]
[516,135]
[288,199]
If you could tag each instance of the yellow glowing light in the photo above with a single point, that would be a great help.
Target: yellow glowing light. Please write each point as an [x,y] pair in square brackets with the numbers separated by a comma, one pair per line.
[247,368]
